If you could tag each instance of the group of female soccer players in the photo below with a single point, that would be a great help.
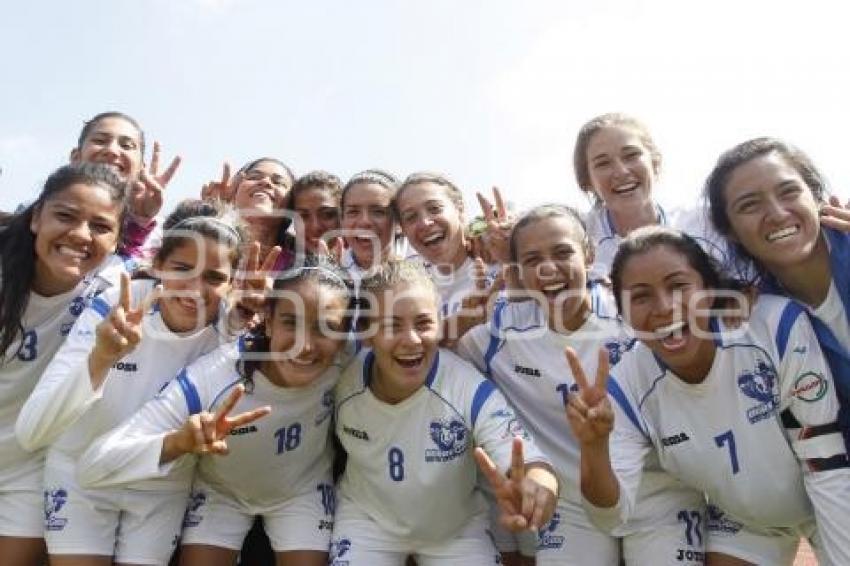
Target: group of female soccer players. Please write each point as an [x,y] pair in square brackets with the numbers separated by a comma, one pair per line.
[381,379]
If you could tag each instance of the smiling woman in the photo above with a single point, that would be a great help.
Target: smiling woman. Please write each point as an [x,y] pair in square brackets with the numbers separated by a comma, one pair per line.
[718,408]
[54,260]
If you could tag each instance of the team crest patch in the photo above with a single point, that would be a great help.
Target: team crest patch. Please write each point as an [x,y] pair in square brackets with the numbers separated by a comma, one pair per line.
[719,524]
[54,501]
[77,306]
[760,384]
[192,518]
[546,538]
[450,436]
[810,387]
[339,549]
[327,407]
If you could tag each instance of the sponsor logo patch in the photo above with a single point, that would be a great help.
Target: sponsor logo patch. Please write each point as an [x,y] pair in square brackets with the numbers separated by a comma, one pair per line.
[810,387]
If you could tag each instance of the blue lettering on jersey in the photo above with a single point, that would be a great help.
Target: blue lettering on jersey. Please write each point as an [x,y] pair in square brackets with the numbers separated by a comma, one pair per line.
[193,518]
[546,537]
[760,384]
[327,407]
[451,439]
[54,501]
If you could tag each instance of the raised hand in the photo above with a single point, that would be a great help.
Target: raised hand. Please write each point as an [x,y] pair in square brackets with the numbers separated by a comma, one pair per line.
[476,302]
[253,283]
[332,249]
[219,190]
[524,503]
[206,433]
[119,333]
[588,411]
[146,194]
[835,215]
[500,222]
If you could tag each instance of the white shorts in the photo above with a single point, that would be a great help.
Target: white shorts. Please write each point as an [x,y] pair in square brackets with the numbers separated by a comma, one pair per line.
[134,526]
[569,538]
[22,514]
[360,541]
[304,522]
[773,546]
[678,540]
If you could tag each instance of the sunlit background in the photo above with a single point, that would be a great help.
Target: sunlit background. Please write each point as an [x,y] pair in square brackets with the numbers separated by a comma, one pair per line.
[490,92]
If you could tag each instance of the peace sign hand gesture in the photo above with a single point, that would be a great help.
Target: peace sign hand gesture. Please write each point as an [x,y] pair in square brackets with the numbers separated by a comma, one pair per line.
[499,224]
[146,195]
[119,333]
[589,411]
[253,285]
[219,190]
[525,501]
[206,433]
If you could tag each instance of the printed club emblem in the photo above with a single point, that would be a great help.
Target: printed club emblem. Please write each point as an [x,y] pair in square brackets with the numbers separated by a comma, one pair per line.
[192,518]
[339,549]
[760,385]
[450,436]
[546,537]
[54,501]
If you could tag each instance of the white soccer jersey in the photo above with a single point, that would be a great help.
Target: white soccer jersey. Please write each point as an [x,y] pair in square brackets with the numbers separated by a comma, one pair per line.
[526,360]
[46,323]
[454,286]
[766,409]
[271,460]
[694,222]
[410,465]
[67,414]
[831,312]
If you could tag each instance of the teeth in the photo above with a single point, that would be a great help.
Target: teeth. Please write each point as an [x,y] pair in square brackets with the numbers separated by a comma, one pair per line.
[409,358]
[784,233]
[554,287]
[71,252]
[303,363]
[670,328]
[432,238]
[625,188]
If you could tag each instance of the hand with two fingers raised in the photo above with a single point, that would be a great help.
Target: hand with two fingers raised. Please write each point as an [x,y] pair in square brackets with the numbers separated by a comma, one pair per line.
[589,411]
[527,495]
[496,239]
[253,284]
[206,433]
[145,200]
[119,333]
[591,419]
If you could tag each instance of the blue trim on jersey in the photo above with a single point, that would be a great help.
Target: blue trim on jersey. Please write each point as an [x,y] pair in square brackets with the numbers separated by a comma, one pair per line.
[224,390]
[432,373]
[493,345]
[368,362]
[786,323]
[193,401]
[100,306]
[485,389]
[620,397]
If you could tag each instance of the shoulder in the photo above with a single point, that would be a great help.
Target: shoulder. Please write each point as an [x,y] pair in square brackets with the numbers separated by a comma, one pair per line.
[354,376]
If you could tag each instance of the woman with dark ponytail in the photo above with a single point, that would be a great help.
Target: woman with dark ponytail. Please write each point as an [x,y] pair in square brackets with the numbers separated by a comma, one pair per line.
[53,260]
